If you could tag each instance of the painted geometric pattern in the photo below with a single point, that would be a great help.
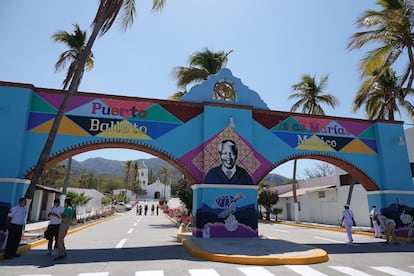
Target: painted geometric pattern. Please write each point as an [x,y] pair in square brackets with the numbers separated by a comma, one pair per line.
[101,117]
[306,133]
[205,157]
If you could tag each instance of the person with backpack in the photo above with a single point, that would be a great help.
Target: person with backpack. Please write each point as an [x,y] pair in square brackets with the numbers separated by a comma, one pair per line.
[52,232]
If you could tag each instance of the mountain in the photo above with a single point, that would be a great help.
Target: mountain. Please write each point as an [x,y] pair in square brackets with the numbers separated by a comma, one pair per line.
[105,167]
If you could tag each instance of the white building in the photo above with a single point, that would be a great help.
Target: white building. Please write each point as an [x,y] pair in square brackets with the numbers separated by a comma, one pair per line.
[322,200]
[155,190]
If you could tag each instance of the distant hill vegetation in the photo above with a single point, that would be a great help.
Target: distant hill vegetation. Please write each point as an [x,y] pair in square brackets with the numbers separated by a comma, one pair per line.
[102,167]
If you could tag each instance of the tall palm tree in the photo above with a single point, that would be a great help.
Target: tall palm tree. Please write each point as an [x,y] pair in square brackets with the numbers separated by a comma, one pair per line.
[105,17]
[382,98]
[390,29]
[164,171]
[76,42]
[201,65]
[127,171]
[310,97]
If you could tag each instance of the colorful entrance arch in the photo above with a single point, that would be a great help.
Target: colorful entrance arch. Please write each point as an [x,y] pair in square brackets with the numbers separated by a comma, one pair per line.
[189,134]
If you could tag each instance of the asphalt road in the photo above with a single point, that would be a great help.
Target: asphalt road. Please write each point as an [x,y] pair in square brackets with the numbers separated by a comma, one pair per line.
[147,245]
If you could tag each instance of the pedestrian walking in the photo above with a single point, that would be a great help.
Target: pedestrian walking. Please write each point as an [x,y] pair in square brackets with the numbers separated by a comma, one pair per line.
[145,209]
[347,221]
[53,227]
[16,218]
[137,213]
[158,208]
[373,214]
[152,209]
[66,217]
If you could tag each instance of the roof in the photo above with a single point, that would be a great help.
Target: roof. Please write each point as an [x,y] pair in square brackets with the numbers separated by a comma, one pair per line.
[306,190]
[43,187]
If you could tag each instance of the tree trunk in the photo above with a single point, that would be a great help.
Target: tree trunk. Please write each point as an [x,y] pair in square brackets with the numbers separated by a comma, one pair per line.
[66,179]
[295,198]
[73,87]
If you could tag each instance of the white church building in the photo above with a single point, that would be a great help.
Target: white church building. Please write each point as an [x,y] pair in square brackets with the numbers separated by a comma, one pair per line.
[156,190]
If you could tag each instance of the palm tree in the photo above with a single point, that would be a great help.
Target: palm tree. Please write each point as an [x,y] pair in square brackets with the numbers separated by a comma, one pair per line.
[164,171]
[76,43]
[105,17]
[127,170]
[201,65]
[310,97]
[177,95]
[382,98]
[390,29]
[52,175]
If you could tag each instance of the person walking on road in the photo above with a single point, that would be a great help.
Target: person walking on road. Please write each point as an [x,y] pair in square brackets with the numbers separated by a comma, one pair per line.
[53,227]
[347,221]
[375,221]
[17,218]
[145,209]
[66,217]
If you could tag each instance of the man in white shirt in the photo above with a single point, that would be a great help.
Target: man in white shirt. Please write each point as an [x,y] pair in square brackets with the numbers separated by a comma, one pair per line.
[53,226]
[375,221]
[17,219]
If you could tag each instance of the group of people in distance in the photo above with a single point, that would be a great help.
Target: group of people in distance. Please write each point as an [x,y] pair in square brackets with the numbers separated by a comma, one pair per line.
[153,208]
[60,221]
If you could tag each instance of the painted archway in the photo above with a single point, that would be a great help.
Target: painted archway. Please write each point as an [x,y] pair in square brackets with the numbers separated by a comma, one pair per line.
[221,114]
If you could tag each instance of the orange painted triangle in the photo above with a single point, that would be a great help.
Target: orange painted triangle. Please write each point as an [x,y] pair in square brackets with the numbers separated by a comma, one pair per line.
[356,146]
[66,127]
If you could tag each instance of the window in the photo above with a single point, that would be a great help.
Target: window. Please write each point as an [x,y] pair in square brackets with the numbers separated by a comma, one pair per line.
[321,194]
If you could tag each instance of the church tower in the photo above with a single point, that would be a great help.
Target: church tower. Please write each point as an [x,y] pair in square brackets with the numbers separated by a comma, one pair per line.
[143,174]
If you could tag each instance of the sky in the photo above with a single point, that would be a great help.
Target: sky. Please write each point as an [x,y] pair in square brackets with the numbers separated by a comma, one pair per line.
[274,43]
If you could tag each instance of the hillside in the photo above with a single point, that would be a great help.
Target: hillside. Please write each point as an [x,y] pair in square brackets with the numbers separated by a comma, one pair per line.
[104,167]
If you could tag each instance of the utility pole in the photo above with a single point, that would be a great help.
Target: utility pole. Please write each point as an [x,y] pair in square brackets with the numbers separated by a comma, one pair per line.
[66,180]
[295,198]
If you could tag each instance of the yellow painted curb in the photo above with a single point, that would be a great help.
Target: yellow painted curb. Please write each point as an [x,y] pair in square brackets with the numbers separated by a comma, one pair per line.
[316,255]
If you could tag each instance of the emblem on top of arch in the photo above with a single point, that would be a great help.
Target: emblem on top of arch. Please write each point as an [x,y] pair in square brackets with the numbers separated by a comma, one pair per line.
[224,90]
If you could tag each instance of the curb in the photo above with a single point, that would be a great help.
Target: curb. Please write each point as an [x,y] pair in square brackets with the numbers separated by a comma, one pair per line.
[316,255]
[340,229]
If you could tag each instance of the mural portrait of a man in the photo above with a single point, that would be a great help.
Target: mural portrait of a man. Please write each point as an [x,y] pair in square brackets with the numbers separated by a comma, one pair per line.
[228,172]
